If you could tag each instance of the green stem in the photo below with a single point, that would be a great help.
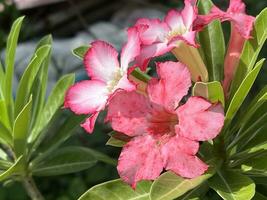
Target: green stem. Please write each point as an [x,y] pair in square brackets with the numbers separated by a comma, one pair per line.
[32,189]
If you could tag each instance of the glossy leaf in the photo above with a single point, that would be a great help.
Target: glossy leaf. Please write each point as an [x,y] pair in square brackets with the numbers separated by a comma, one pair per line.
[256,166]
[251,50]
[118,190]
[10,60]
[232,185]
[55,100]
[170,186]
[64,161]
[21,129]
[242,92]
[212,43]
[28,77]
[79,52]
[15,169]
[211,91]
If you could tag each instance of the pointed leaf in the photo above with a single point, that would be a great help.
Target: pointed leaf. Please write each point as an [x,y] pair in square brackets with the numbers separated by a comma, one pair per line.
[256,166]
[211,91]
[21,129]
[212,43]
[79,52]
[232,185]
[5,135]
[15,169]
[64,161]
[118,190]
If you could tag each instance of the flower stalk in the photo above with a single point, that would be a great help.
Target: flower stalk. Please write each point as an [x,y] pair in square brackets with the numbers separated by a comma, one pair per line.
[31,188]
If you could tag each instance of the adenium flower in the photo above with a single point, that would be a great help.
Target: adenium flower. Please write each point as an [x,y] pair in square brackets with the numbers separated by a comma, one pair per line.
[241,27]
[164,134]
[175,33]
[107,76]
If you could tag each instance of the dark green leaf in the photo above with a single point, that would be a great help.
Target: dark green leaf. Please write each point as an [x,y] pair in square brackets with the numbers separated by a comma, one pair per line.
[256,166]
[118,190]
[79,52]
[212,44]
[259,196]
[64,161]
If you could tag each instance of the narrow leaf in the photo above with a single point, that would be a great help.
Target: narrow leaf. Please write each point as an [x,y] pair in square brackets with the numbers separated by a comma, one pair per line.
[15,169]
[212,43]
[79,52]
[256,166]
[118,190]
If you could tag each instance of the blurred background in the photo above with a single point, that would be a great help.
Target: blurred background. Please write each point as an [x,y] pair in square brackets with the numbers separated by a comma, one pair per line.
[73,23]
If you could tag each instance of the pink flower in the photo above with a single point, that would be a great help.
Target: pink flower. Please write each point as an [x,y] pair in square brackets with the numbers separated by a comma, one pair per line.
[241,27]
[159,37]
[164,134]
[107,76]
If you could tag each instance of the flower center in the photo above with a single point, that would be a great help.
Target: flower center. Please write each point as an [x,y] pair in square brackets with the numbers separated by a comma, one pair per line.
[176,32]
[111,85]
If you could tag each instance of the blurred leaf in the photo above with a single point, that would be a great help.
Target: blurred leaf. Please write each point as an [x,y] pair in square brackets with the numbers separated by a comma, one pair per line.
[211,91]
[259,196]
[64,161]
[55,100]
[212,43]
[242,92]
[21,129]
[5,135]
[170,186]
[195,194]
[5,164]
[251,50]
[2,81]
[115,142]
[15,169]
[232,186]
[10,61]
[4,114]
[103,157]
[28,77]
[79,52]
[116,189]
[256,166]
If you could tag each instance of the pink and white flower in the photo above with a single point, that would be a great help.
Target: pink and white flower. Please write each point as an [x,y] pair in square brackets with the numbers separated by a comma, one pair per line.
[107,75]
[164,133]
[159,37]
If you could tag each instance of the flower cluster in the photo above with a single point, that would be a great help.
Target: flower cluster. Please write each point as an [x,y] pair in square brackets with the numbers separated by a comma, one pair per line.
[163,122]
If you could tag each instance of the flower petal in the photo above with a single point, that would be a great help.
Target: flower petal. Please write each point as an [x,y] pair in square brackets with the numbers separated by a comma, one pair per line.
[128,111]
[188,37]
[189,13]
[125,84]
[151,30]
[86,97]
[101,61]
[200,120]
[173,83]
[150,51]
[179,157]
[140,160]
[131,49]
[89,123]
[174,20]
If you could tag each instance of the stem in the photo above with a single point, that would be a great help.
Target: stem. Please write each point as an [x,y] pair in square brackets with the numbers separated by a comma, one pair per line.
[32,189]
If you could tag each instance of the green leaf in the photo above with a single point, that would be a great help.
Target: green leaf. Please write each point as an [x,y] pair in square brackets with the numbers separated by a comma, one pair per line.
[10,61]
[2,81]
[197,193]
[115,142]
[28,77]
[54,102]
[251,50]
[256,166]
[4,118]
[64,161]
[170,186]
[259,196]
[232,185]
[212,43]
[5,135]
[79,52]
[21,129]
[242,92]
[211,91]
[15,169]
[4,165]
[118,190]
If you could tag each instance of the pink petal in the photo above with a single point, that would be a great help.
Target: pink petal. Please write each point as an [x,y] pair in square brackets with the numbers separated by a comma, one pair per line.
[189,13]
[173,83]
[125,84]
[200,120]
[86,97]
[101,61]
[174,20]
[89,123]
[140,160]
[236,6]
[151,30]
[150,51]
[128,111]
[188,37]
[179,157]
[131,49]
